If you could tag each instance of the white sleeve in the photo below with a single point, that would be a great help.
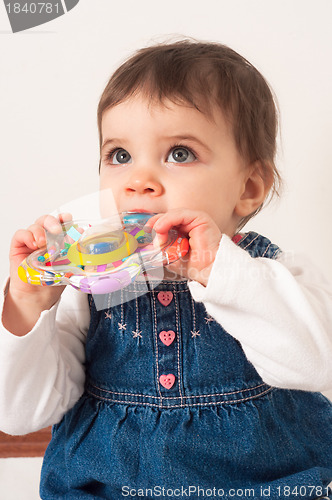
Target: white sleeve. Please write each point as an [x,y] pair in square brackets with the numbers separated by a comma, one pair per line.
[279,310]
[42,373]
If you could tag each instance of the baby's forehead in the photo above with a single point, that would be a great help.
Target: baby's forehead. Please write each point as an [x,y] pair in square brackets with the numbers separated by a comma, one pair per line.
[142,121]
[152,105]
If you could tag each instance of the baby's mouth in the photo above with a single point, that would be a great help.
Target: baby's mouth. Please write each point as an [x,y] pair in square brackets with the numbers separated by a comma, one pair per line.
[139,211]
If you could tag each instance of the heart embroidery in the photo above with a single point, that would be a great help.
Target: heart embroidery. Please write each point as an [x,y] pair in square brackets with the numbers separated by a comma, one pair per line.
[167,337]
[165,298]
[167,381]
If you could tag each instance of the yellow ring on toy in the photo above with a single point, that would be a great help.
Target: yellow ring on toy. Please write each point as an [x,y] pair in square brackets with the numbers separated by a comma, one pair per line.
[80,259]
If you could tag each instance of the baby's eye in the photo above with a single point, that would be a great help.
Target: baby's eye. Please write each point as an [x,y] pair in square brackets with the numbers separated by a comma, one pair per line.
[181,155]
[120,156]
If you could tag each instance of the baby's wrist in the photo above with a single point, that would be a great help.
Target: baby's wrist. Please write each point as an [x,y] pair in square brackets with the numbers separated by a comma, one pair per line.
[204,275]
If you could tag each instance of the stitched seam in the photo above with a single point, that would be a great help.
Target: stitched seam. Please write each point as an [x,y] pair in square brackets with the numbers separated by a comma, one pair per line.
[276,253]
[194,313]
[141,285]
[156,339]
[244,239]
[122,301]
[250,242]
[171,397]
[122,309]
[137,332]
[178,344]
[137,321]
[139,289]
[194,333]
[214,403]
[266,249]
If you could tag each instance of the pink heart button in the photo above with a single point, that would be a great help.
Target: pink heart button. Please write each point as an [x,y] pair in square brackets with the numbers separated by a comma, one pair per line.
[165,298]
[167,337]
[167,381]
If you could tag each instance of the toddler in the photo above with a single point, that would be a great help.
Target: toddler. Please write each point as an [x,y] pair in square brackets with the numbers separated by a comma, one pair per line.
[206,385]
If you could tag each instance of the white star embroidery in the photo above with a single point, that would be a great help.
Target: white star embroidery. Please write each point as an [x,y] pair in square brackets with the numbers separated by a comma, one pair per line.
[137,334]
[108,315]
[122,326]
[195,333]
[208,319]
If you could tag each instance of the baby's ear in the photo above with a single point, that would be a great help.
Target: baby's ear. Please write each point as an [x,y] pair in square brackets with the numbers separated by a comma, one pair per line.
[256,186]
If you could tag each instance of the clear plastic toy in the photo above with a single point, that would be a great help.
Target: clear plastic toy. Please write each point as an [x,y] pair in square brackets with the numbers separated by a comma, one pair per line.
[101,258]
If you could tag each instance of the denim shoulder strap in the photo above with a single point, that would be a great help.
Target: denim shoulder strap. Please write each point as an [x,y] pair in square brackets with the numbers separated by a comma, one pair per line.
[258,246]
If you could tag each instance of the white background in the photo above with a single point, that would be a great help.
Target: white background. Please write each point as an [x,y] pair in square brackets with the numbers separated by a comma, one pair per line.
[51,78]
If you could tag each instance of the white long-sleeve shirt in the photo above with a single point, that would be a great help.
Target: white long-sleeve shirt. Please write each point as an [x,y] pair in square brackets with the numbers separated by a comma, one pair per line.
[279,310]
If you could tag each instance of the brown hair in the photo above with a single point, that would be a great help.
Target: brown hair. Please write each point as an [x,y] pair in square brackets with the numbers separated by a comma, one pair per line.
[204,75]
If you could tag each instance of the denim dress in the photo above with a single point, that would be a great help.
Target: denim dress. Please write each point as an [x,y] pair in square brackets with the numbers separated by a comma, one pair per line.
[173,408]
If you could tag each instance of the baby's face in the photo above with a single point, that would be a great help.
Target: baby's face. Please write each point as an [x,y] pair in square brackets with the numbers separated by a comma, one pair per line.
[156,158]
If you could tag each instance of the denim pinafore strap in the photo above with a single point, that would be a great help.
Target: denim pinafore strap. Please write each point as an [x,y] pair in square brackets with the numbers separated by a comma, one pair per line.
[172,401]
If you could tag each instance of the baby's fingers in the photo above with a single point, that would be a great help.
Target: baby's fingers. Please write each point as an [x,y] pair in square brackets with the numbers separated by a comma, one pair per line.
[149,225]
[24,238]
[27,240]
[53,224]
[39,234]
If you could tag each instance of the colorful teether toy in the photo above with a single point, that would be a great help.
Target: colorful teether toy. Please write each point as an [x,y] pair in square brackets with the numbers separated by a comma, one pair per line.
[98,258]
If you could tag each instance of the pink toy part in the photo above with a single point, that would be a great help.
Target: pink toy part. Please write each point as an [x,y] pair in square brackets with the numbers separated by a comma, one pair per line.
[167,381]
[105,284]
[165,298]
[101,268]
[167,337]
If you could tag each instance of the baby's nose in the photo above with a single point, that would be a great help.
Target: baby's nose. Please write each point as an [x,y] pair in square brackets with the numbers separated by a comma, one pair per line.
[144,182]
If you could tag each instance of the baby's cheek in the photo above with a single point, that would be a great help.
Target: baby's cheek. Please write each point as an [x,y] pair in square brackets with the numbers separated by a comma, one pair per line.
[108,203]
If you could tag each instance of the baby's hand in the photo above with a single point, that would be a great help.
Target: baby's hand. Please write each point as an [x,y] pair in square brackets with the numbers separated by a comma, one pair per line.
[26,241]
[204,238]
[24,302]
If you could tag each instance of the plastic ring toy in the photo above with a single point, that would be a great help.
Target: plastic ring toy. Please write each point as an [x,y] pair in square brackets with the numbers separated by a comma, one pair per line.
[122,249]
[99,259]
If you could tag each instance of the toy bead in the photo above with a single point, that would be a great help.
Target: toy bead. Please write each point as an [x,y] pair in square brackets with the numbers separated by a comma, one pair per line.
[41,258]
